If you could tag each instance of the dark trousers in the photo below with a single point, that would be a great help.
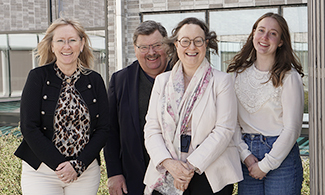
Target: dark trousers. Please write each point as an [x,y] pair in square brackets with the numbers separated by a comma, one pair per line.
[200,185]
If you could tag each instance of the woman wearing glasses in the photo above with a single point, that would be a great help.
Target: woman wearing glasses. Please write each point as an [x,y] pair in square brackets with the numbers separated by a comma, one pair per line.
[63,116]
[190,120]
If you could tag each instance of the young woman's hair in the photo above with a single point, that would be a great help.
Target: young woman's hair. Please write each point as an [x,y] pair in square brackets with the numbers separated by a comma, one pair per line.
[211,37]
[44,52]
[285,58]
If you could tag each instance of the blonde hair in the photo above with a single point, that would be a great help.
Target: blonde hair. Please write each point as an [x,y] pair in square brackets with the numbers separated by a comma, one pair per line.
[44,53]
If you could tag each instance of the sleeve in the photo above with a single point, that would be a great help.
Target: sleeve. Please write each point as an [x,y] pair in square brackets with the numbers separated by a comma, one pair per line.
[99,137]
[112,148]
[242,147]
[153,137]
[292,101]
[221,135]
[30,117]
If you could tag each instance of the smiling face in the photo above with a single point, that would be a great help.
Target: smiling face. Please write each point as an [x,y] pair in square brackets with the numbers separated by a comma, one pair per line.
[154,61]
[66,46]
[191,56]
[267,37]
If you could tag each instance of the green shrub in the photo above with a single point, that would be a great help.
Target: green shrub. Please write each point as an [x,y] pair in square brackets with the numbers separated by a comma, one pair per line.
[10,165]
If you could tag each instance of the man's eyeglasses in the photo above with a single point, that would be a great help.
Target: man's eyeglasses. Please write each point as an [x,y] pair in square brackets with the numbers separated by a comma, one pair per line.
[71,42]
[197,41]
[146,48]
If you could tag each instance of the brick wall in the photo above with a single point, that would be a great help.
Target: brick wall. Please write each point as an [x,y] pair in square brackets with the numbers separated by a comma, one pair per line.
[18,15]
[32,15]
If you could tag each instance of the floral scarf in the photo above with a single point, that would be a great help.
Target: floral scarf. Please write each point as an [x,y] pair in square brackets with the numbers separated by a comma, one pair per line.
[177,107]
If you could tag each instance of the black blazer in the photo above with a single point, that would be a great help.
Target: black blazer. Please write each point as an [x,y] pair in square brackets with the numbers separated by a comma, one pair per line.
[38,102]
[124,149]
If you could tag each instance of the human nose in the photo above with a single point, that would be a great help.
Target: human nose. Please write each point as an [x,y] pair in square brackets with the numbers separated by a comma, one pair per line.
[66,43]
[265,35]
[151,49]
[192,45]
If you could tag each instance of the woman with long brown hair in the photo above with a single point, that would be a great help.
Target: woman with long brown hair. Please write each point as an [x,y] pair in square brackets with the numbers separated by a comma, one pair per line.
[270,98]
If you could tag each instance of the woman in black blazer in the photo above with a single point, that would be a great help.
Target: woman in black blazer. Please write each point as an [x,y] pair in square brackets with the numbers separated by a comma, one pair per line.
[63,116]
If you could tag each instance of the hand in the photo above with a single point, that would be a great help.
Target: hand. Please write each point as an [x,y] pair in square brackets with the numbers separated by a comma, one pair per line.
[180,171]
[116,184]
[66,172]
[250,160]
[256,172]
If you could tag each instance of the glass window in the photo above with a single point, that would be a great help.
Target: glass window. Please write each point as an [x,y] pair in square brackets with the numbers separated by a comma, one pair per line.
[297,19]
[20,64]
[169,21]
[97,39]
[232,28]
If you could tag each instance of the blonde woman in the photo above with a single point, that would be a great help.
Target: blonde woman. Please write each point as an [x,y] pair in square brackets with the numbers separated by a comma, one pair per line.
[63,116]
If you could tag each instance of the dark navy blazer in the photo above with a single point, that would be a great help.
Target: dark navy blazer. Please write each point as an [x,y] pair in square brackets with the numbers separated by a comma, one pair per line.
[38,102]
[124,149]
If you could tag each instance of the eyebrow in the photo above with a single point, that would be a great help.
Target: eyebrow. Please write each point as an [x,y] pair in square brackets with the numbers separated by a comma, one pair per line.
[271,29]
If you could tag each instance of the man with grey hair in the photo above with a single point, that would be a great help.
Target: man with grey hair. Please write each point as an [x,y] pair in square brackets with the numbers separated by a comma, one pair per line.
[128,94]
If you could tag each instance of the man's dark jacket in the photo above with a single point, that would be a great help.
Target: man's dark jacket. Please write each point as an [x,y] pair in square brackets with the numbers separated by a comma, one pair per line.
[124,152]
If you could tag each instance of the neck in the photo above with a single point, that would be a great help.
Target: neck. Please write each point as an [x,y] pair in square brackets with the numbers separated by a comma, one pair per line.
[189,72]
[264,63]
[154,73]
[67,69]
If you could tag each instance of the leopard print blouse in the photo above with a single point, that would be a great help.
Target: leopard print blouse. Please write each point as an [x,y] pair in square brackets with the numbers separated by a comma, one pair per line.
[71,120]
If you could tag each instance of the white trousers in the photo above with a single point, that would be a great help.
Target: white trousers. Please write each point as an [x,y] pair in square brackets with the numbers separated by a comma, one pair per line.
[44,181]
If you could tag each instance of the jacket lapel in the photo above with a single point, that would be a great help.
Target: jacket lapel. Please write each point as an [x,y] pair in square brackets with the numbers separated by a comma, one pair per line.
[200,106]
[133,86]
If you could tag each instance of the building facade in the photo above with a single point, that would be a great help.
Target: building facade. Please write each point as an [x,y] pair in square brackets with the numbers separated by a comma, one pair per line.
[111,23]
[22,26]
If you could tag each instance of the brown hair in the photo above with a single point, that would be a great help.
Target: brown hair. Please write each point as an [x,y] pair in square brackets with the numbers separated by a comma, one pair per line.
[147,28]
[44,51]
[210,36]
[285,58]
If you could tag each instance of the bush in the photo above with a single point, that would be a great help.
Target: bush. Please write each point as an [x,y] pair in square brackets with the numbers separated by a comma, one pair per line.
[10,165]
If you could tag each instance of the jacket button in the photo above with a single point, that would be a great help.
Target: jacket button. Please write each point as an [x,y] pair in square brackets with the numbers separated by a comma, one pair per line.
[44,128]
[48,82]
[97,116]
[89,86]
[45,97]
[94,100]
[43,112]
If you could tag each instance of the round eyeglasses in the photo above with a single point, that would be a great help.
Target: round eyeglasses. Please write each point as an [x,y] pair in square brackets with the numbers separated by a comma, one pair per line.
[197,41]
[62,42]
[146,48]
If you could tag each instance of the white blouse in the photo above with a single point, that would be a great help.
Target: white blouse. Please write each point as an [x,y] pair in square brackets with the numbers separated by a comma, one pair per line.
[264,109]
